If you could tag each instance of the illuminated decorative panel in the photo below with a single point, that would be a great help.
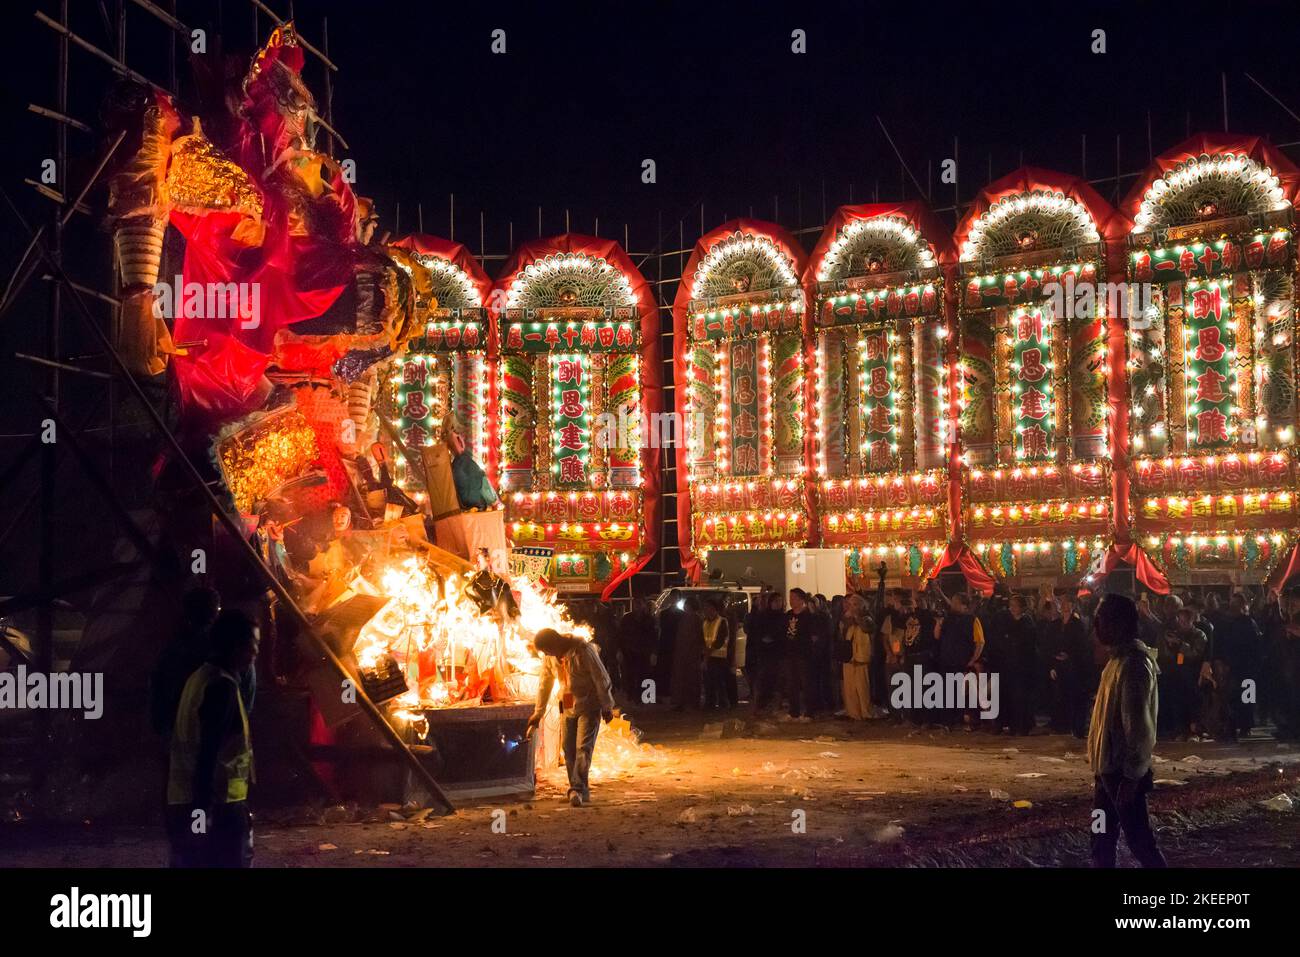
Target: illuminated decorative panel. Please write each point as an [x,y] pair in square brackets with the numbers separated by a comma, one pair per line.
[1033,371]
[1212,365]
[570,416]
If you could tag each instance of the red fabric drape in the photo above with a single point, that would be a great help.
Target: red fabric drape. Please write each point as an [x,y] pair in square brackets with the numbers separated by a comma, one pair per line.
[1284,571]
[651,365]
[970,567]
[681,337]
[1147,571]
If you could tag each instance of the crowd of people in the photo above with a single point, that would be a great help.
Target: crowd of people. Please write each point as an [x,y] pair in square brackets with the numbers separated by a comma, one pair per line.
[1226,663]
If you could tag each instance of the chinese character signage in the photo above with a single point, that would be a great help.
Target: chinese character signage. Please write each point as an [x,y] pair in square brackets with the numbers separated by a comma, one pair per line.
[415,402]
[570,431]
[1208,345]
[879,305]
[1031,385]
[450,336]
[1202,260]
[746,423]
[567,335]
[879,398]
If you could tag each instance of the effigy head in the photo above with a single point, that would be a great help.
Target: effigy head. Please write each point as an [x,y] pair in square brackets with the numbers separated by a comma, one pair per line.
[276,99]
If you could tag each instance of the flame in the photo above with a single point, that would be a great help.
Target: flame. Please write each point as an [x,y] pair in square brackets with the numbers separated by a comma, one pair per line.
[451,653]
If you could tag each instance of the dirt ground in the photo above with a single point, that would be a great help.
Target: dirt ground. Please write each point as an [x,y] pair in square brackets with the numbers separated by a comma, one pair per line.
[704,791]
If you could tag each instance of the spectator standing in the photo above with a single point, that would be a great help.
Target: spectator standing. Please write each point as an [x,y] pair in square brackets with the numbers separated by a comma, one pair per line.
[765,651]
[1179,657]
[920,644]
[855,632]
[688,649]
[961,643]
[801,634]
[637,644]
[1020,676]
[1122,736]
[717,654]
[1080,679]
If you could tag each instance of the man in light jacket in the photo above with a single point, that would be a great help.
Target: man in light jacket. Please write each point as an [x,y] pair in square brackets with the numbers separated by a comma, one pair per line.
[585,699]
[1121,738]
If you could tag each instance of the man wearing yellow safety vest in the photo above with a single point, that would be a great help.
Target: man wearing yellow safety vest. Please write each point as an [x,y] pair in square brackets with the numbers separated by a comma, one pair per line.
[208,821]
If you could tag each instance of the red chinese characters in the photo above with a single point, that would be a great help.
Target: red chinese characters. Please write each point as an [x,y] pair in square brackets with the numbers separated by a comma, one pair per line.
[1209,386]
[1031,366]
[572,469]
[878,384]
[1033,404]
[571,406]
[1034,442]
[568,371]
[1211,426]
[1209,348]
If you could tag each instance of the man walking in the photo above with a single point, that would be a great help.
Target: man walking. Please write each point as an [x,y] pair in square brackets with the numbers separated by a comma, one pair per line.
[585,699]
[1121,737]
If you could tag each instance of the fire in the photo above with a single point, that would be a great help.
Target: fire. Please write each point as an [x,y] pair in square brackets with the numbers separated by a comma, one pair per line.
[450,652]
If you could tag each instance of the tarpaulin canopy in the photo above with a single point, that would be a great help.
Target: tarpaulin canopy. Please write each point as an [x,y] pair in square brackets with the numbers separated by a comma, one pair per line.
[786,244]
[914,212]
[1209,144]
[651,364]
[1029,179]
[454,253]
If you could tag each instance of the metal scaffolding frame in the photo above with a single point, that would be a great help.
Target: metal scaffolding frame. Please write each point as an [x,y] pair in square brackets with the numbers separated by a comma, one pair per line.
[50,251]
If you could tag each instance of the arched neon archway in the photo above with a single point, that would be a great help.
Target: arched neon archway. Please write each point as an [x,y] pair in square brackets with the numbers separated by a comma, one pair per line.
[740,325]
[1212,360]
[879,391]
[578,391]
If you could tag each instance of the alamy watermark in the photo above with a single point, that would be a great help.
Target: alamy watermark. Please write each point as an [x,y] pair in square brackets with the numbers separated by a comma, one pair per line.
[240,301]
[945,691]
[65,691]
[1130,301]
[658,430]
[75,910]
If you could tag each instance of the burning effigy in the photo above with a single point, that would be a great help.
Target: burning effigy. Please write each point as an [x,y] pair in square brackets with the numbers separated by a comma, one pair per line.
[345,385]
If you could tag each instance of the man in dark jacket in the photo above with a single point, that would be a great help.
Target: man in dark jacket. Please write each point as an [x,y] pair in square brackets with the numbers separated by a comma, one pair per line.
[765,650]
[1080,674]
[961,644]
[920,645]
[1181,651]
[1232,658]
[1014,656]
[637,642]
[802,633]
